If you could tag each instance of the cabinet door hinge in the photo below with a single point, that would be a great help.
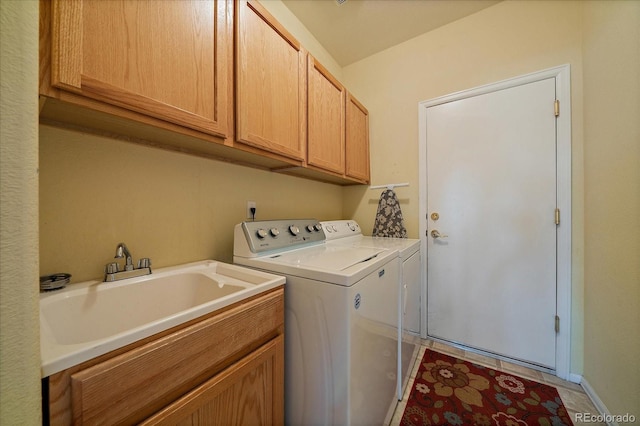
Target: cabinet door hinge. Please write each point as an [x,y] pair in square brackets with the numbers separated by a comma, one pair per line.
[557,217]
[557,324]
[556,107]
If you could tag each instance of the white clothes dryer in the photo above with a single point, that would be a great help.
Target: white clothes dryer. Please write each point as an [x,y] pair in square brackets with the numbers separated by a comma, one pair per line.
[341,321]
[348,232]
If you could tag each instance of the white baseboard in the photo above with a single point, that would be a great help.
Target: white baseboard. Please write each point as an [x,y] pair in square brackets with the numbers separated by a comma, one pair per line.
[575,378]
[597,402]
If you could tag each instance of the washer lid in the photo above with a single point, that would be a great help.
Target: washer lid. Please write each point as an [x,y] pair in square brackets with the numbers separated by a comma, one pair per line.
[405,246]
[327,257]
[348,232]
[333,264]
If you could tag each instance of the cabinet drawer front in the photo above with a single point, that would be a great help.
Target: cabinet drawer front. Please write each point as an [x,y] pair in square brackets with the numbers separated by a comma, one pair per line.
[250,391]
[134,385]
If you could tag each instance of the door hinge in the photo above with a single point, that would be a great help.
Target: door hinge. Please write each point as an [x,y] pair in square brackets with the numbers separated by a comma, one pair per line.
[557,217]
[557,324]
[556,107]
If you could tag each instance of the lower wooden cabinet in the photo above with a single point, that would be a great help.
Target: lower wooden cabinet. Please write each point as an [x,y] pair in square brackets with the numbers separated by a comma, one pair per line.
[244,394]
[223,368]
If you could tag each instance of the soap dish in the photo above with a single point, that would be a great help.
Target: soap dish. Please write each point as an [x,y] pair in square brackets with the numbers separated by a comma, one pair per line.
[54,281]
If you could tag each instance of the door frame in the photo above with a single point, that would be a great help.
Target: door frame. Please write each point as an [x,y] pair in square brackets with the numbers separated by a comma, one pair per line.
[562,75]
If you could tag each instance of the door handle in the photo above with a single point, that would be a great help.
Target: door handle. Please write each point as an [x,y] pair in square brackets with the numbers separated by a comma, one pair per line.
[436,234]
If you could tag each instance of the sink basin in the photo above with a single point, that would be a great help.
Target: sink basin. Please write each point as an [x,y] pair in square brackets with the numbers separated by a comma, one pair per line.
[92,318]
[104,310]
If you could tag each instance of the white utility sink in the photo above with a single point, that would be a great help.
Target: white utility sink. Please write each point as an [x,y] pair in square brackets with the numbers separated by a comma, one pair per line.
[91,318]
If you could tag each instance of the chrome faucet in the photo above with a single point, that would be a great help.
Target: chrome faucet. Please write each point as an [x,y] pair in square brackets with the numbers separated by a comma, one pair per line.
[113,272]
[123,251]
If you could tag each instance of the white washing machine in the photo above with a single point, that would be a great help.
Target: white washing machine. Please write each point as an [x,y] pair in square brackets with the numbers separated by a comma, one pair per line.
[348,232]
[341,321]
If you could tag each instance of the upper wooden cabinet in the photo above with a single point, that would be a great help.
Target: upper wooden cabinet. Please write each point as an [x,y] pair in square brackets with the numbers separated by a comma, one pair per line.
[357,144]
[338,127]
[326,115]
[270,84]
[167,59]
[163,73]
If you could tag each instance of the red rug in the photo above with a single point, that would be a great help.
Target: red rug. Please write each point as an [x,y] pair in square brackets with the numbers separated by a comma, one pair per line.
[450,391]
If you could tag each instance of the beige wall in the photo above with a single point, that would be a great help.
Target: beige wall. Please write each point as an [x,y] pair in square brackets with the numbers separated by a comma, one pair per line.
[174,208]
[612,203]
[20,331]
[503,41]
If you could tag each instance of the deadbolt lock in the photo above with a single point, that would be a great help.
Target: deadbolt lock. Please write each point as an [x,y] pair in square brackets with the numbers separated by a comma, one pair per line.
[435,216]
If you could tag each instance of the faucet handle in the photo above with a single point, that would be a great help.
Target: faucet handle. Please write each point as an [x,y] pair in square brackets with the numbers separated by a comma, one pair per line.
[112,268]
[144,262]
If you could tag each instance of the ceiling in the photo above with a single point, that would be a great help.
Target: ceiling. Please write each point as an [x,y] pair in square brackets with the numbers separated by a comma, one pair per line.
[356,29]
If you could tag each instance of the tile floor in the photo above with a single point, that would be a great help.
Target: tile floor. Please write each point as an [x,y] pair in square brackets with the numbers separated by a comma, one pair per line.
[572,394]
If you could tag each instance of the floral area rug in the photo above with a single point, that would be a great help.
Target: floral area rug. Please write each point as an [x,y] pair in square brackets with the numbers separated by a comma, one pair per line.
[450,391]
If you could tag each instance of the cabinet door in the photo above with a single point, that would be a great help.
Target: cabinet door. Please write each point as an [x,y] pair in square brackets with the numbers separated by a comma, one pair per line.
[249,392]
[168,59]
[270,84]
[357,143]
[325,108]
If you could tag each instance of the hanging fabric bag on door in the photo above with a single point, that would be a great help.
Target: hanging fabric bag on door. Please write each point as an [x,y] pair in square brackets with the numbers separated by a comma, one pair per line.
[389,221]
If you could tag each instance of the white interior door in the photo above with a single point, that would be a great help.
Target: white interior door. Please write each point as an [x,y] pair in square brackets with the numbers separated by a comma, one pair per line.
[491,194]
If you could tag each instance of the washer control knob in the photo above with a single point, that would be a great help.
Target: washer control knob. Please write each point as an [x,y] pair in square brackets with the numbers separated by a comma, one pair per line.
[274,232]
[261,233]
[310,228]
[294,230]
[318,227]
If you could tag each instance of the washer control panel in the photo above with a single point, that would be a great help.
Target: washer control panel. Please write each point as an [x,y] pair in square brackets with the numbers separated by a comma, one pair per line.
[268,235]
[340,229]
